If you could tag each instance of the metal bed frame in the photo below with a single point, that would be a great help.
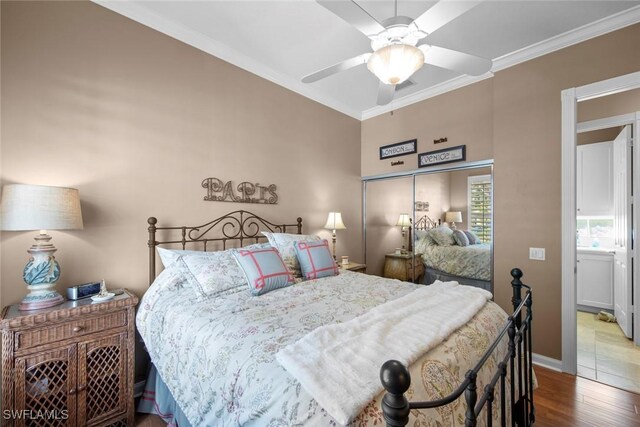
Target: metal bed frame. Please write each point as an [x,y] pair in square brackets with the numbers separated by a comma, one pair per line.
[396,379]
[236,226]
[241,225]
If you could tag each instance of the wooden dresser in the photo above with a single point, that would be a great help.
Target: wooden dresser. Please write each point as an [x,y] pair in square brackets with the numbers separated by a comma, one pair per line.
[406,267]
[73,363]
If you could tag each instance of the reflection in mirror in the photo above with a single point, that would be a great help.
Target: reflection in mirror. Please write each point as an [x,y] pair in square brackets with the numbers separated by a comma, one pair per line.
[453,226]
[386,200]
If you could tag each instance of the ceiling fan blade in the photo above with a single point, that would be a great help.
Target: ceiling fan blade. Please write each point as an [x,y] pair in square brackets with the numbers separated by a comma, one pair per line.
[442,13]
[385,93]
[353,14]
[334,69]
[455,60]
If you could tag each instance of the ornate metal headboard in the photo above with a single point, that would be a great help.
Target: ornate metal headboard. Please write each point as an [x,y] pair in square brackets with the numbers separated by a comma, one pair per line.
[236,226]
[425,223]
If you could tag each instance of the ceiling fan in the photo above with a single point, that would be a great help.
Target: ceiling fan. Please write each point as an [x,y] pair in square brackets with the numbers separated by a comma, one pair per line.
[399,46]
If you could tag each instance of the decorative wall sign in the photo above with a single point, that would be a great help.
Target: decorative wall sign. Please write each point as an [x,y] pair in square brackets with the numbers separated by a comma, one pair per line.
[245,192]
[422,206]
[440,157]
[441,140]
[397,163]
[399,149]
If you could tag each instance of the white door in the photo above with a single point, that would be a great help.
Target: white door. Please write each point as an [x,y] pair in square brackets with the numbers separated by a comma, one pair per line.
[623,258]
[594,167]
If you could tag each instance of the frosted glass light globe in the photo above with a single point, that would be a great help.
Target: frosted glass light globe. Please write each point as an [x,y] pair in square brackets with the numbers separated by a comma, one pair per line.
[395,63]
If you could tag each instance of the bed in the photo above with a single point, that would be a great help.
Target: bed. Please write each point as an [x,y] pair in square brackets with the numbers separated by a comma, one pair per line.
[468,265]
[214,361]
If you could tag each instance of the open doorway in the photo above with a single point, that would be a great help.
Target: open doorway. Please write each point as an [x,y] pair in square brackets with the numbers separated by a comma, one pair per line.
[604,261]
[570,101]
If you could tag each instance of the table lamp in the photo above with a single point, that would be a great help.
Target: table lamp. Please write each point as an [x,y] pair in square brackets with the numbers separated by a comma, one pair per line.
[453,217]
[404,221]
[334,222]
[39,207]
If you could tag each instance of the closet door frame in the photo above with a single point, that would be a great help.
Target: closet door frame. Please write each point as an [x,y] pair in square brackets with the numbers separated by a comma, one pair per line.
[425,171]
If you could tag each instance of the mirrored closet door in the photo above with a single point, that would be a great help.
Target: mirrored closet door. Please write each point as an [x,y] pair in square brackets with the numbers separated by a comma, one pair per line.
[432,225]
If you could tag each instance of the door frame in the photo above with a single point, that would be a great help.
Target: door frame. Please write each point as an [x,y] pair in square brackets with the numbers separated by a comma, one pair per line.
[570,98]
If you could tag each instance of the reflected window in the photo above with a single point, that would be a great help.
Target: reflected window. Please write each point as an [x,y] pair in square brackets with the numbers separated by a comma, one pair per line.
[479,206]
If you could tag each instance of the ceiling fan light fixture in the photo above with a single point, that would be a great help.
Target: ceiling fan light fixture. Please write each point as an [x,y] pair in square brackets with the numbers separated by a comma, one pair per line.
[395,63]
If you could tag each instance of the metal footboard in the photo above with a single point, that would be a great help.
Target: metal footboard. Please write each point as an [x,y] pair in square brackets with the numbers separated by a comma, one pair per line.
[516,365]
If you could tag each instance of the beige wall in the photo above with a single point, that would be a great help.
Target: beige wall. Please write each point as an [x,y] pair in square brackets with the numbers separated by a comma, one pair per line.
[595,136]
[434,188]
[386,200]
[514,118]
[464,116]
[136,120]
[609,106]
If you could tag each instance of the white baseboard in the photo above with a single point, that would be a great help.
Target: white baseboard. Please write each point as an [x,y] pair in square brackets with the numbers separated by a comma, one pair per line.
[547,362]
[138,388]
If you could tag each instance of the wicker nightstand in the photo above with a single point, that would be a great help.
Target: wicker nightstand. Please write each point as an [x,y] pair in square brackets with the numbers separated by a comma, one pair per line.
[406,267]
[354,266]
[74,360]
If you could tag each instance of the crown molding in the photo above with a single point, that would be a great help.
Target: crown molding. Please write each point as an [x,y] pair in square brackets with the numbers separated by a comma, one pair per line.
[421,95]
[200,41]
[577,35]
[222,51]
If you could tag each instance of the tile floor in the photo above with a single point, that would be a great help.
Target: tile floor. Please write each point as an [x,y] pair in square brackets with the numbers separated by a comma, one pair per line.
[606,355]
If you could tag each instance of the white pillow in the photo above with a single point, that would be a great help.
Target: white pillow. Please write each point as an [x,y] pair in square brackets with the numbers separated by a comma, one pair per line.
[284,243]
[169,256]
[211,273]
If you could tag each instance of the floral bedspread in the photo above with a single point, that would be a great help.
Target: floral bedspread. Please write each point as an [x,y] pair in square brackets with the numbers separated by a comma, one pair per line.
[472,261]
[217,357]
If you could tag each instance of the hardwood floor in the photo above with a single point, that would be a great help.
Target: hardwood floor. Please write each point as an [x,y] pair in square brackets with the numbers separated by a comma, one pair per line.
[561,401]
[564,400]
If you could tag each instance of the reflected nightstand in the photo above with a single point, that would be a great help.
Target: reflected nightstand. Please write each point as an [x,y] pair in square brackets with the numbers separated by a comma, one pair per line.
[405,267]
[354,266]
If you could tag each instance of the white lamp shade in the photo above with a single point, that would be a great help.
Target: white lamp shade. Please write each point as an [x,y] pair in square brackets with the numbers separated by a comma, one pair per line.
[39,207]
[395,63]
[334,221]
[453,217]
[404,220]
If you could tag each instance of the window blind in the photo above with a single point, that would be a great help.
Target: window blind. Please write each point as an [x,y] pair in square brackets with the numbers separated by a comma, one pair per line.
[479,206]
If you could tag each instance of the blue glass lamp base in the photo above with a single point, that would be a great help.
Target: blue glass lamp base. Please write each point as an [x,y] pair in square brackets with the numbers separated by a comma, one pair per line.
[41,274]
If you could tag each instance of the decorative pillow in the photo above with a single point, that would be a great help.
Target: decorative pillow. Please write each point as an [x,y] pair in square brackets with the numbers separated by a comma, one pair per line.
[315,259]
[285,244]
[263,245]
[211,273]
[443,236]
[264,269]
[473,238]
[423,236]
[169,256]
[460,237]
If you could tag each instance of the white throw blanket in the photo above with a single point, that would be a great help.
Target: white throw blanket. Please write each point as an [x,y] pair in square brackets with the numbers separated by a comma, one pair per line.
[339,364]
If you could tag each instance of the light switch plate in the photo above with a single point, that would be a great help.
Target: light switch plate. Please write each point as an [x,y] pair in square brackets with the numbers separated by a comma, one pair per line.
[536,253]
